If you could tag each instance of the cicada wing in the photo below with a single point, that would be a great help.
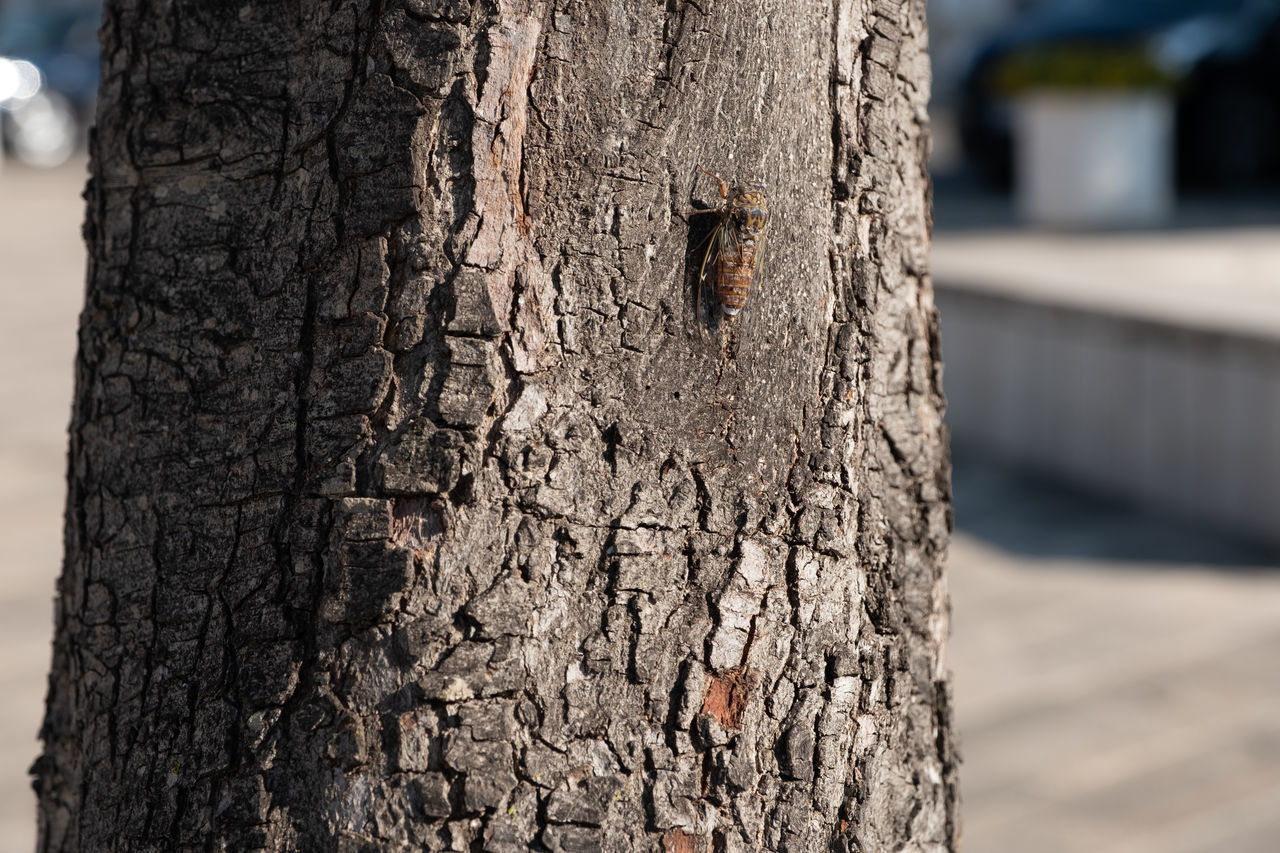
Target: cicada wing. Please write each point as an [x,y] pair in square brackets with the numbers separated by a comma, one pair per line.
[712,243]
[730,241]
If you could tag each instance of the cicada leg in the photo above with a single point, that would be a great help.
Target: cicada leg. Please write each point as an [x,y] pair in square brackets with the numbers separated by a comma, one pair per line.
[724,194]
[724,188]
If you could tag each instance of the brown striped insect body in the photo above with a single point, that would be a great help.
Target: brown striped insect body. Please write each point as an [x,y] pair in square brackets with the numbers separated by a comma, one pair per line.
[736,243]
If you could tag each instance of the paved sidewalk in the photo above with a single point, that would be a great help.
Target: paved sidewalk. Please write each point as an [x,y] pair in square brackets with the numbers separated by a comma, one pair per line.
[1117,674]
[1116,678]
[41,290]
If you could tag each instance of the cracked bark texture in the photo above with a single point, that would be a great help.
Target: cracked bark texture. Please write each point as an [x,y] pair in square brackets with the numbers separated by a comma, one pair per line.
[411,505]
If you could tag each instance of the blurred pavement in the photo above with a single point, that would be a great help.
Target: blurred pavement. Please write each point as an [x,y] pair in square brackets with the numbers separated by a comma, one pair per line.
[1115,674]
[41,291]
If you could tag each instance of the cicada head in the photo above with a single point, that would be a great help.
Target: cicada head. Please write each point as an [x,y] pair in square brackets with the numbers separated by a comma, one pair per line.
[749,210]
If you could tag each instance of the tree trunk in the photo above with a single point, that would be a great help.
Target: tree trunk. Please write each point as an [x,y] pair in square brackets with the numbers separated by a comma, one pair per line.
[414,504]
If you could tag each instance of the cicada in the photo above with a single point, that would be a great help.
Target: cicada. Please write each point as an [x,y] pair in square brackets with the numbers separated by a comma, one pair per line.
[736,243]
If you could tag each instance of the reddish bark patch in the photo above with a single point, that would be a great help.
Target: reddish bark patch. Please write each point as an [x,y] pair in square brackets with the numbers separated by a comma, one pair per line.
[727,696]
[416,523]
[679,841]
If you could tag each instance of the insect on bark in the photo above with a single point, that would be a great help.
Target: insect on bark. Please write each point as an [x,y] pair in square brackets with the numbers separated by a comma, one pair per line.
[736,242]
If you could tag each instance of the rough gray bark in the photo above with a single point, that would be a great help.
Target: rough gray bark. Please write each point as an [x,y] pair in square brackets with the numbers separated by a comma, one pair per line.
[411,506]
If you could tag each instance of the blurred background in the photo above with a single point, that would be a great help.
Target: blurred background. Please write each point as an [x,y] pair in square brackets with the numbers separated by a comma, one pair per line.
[48,83]
[1107,263]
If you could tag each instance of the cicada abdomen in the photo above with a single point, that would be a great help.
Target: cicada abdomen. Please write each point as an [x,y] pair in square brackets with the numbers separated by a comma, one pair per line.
[741,247]
[736,242]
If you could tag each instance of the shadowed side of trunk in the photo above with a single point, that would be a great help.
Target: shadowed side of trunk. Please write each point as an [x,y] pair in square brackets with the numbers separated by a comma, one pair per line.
[411,503]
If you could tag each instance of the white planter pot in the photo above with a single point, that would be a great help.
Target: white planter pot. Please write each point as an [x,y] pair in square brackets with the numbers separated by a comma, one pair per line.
[1094,159]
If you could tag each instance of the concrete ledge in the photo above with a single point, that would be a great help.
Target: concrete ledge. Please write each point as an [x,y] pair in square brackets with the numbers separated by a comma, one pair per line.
[1211,279]
[1162,409]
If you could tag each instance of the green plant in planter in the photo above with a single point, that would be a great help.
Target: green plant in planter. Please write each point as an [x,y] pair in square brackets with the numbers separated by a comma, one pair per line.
[1080,68]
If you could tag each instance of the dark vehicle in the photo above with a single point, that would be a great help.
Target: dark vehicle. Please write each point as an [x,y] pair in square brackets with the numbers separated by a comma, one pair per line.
[1221,56]
[48,78]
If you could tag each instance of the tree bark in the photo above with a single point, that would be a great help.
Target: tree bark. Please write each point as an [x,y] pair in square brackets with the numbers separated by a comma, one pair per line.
[413,502]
